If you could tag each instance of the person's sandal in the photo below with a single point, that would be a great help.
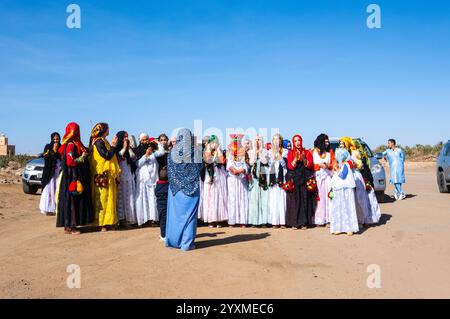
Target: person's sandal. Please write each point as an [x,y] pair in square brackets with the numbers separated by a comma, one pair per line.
[75,232]
[67,231]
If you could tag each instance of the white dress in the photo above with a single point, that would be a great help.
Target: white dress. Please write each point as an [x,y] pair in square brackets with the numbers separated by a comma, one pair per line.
[362,199]
[323,178]
[126,192]
[214,197]
[258,197]
[200,202]
[237,202]
[374,209]
[277,195]
[146,178]
[343,216]
[47,203]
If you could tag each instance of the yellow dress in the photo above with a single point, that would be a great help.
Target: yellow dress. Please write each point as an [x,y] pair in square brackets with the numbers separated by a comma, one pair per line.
[58,186]
[104,198]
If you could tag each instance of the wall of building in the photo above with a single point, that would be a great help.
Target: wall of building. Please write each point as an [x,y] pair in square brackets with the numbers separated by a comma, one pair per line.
[5,149]
[3,140]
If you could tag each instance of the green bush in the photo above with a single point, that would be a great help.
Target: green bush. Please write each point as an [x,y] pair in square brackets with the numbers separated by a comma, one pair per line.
[380,149]
[3,161]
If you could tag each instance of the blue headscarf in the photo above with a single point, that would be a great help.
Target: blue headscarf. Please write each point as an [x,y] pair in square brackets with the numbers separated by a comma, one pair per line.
[341,155]
[286,144]
[184,164]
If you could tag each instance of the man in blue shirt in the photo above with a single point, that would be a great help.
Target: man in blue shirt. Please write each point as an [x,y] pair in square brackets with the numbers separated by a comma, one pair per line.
[396,158]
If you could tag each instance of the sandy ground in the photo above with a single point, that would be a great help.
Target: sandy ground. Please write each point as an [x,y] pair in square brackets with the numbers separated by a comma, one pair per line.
[411,247]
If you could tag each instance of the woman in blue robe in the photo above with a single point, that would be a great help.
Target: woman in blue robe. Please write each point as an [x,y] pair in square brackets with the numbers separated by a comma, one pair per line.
[184,164]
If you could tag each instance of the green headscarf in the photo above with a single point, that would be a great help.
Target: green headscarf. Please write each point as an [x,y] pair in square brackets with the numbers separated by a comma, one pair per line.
[212,138]
[362,152]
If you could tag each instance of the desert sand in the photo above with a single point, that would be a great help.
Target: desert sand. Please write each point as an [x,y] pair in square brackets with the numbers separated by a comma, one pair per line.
[411,246]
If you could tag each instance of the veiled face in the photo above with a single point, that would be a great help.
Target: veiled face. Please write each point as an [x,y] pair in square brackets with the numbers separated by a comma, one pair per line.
[184,136]
[342,144]
[56,139]
[341,155]
[144,140]
[327,143]
[185,141]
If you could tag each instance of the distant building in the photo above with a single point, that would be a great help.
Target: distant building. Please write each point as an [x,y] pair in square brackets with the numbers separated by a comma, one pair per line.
[5,149]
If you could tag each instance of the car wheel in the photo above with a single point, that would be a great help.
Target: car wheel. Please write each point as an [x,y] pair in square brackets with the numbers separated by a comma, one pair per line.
[29,189]
[443,188]
[380,196]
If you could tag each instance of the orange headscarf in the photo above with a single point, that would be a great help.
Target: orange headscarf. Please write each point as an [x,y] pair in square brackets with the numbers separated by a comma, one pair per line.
[72,136]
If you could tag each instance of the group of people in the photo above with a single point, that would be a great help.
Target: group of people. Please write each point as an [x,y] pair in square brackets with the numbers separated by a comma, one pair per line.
[176,183]
[282,184]
[105,185]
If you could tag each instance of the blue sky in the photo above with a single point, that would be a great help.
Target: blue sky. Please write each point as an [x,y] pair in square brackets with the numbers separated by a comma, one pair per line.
[301,66]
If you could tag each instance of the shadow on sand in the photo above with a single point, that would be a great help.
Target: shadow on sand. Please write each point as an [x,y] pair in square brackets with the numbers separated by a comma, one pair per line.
[228,240]
[383,221]
[209,234]
[386,199]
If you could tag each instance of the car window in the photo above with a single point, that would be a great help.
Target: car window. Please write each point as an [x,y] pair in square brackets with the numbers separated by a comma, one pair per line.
[334,146]
[37,161]
[367,149]
[447,151]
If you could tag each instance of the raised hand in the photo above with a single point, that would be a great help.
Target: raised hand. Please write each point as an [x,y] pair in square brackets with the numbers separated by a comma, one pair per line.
[114,141]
